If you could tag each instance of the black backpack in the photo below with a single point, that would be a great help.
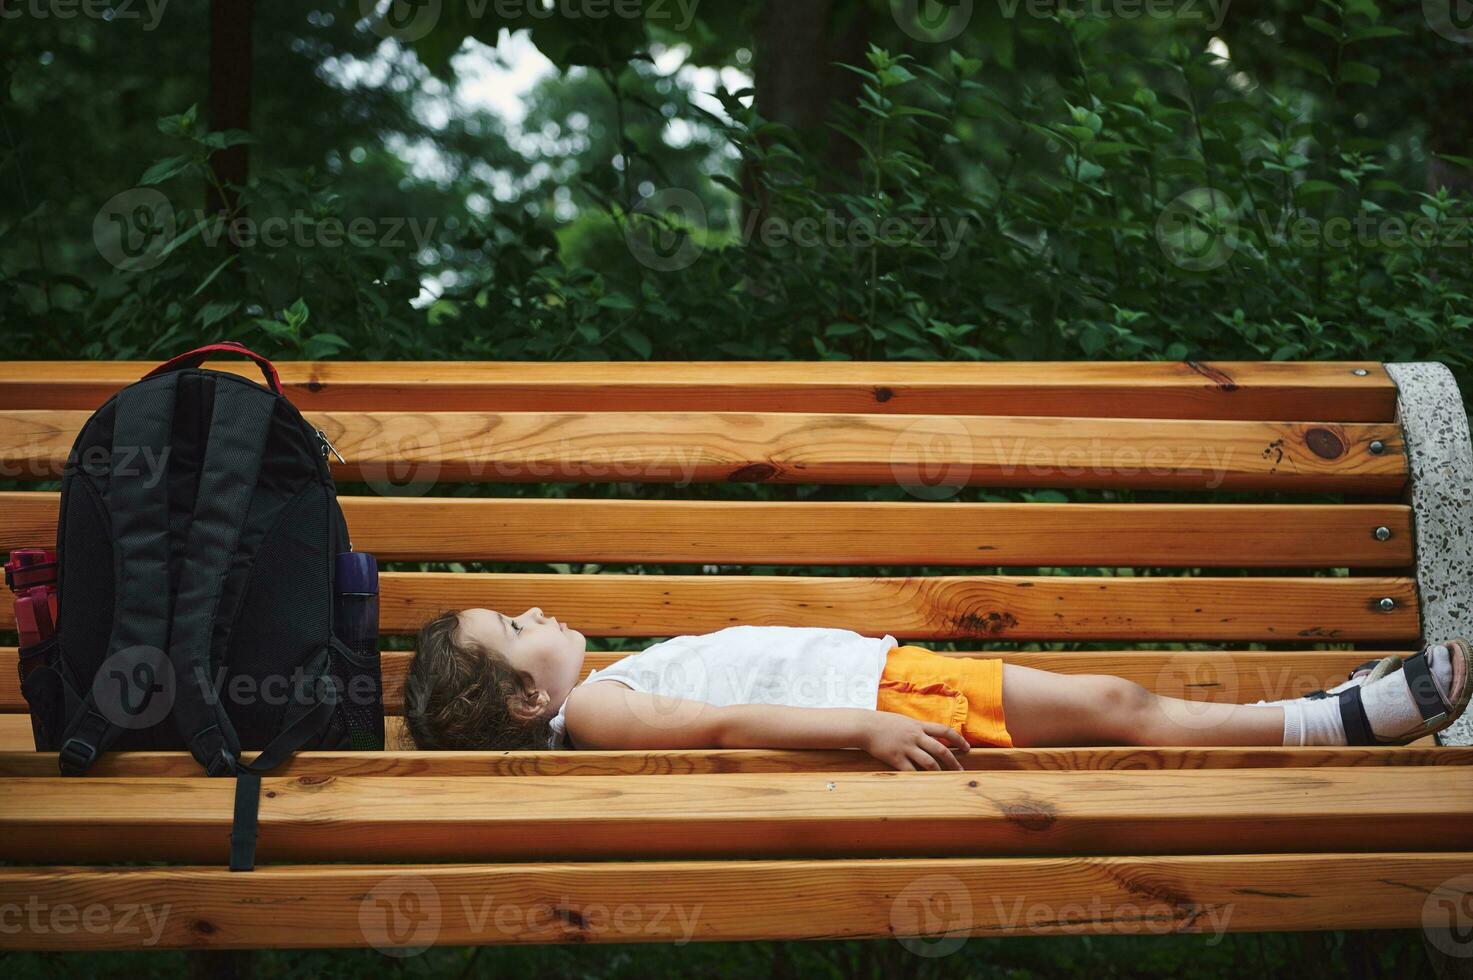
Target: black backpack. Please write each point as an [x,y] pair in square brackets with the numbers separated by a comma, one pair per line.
[197,533]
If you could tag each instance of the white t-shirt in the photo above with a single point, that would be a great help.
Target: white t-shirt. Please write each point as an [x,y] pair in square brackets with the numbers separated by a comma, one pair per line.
[800,666]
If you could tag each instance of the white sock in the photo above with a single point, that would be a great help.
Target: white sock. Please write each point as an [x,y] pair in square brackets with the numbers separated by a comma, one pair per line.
[1390,709]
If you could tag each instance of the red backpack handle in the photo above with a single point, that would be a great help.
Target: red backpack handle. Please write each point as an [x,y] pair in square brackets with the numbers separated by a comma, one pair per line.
[196,357]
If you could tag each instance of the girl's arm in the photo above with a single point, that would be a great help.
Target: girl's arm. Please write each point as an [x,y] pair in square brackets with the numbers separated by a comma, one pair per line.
[608,715]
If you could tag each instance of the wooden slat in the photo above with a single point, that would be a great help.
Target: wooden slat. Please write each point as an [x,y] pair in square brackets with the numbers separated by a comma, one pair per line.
[992,607]
[674,447]
[337,906]
[940,607]
[1209,675]
[1155,389]
[841,533]
[15,734]
[406,764]
[856,814]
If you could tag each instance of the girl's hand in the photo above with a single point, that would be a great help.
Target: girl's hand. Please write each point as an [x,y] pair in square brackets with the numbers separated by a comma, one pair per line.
[903,742]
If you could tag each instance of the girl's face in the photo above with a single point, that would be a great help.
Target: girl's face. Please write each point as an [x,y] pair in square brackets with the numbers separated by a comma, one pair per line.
[539,645]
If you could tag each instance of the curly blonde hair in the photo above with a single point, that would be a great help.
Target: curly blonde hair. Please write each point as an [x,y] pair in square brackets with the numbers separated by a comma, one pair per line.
[464,695]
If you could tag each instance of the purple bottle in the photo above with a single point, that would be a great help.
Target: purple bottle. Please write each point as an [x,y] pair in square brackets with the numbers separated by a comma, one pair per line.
[355,622]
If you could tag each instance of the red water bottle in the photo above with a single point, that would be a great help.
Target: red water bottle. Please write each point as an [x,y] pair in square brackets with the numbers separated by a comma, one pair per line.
[31,575]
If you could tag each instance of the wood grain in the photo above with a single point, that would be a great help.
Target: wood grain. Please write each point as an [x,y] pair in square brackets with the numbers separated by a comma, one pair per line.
[1207,675]
[924,452]
[1262,390]
[408,764]
[984,607]
[992,608]
[842,532]
[791,815]
[402,907]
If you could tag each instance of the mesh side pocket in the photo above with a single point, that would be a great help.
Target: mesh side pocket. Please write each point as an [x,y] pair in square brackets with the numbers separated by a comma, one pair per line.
[360,697]
[45,692]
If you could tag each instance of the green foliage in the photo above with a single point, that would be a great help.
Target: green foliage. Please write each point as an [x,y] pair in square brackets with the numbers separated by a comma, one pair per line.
[1161,206]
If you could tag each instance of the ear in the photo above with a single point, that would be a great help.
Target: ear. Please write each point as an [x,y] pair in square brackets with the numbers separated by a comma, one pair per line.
[534,702]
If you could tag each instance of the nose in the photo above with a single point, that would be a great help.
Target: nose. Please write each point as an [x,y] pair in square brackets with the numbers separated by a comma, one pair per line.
[536,613]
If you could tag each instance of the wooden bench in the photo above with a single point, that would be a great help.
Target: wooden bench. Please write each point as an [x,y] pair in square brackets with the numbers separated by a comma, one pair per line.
[1263,583]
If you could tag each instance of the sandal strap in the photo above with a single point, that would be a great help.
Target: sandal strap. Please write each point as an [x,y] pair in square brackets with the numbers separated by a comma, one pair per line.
[1353,719]
[1423,686]
[1322,693]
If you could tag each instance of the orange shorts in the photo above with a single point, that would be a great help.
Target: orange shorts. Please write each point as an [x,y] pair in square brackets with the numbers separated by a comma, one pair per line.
[963,693]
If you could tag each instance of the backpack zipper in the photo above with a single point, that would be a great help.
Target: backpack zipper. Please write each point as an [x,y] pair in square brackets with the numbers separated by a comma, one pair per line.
[328,446]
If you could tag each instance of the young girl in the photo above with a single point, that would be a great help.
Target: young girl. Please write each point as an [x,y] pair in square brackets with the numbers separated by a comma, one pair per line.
[484,680]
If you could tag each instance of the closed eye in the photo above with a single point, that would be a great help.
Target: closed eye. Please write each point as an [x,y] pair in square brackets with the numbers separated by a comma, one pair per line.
[512,623]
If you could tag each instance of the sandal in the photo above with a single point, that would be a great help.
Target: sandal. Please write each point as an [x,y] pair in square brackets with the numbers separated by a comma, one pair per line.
[1437,712]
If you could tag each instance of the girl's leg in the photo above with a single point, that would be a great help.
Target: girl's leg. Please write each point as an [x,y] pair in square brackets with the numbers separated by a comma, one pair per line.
[1043,708]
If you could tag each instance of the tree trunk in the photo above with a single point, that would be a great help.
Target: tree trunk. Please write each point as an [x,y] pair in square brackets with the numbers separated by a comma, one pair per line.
[798,82]
[230,98]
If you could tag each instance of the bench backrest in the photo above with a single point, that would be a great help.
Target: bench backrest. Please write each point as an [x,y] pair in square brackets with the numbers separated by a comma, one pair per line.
[1122,570]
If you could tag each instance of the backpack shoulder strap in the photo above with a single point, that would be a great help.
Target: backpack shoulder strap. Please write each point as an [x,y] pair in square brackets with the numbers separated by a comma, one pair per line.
[138,506]
[239,422]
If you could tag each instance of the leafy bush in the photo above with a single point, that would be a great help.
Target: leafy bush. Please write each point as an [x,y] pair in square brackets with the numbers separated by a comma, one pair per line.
[1158,207]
